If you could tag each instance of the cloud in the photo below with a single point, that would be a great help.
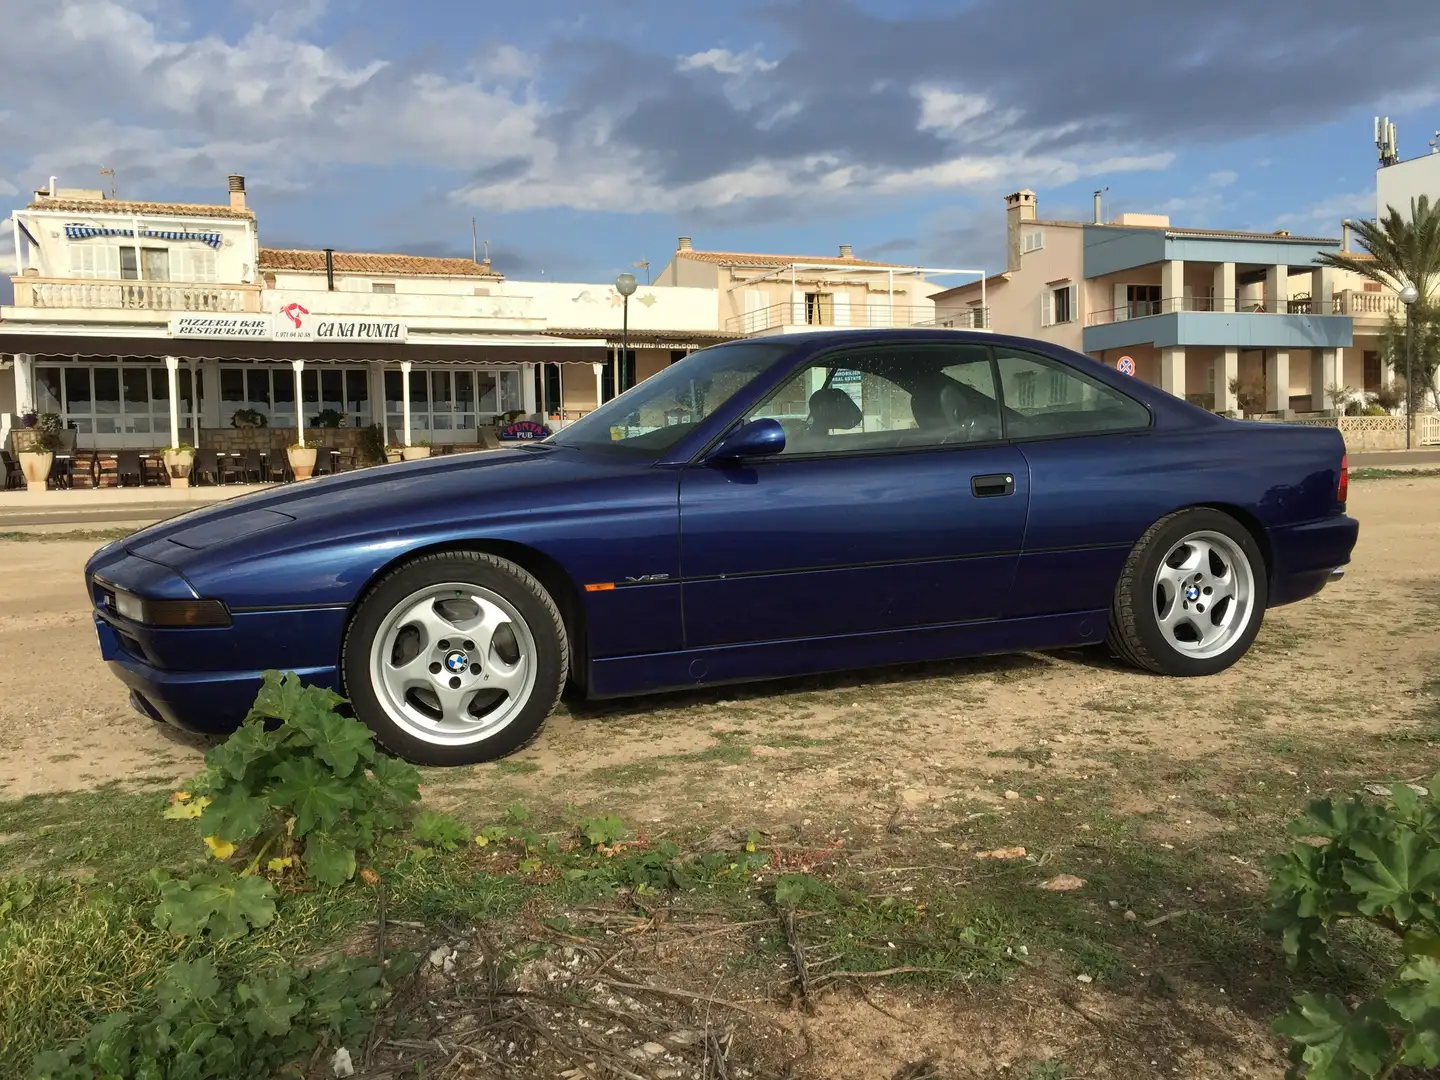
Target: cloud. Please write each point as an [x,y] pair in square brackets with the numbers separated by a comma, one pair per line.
[726,62]
[836,107]
[8,267]
[1326,215]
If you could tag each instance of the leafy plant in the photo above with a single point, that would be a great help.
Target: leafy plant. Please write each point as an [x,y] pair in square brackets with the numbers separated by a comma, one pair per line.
[201,1026]
[328,418]
[603,830]
[298,785]
[1380,864]
[440,830]
[372,444]
[248,418]
[183,448]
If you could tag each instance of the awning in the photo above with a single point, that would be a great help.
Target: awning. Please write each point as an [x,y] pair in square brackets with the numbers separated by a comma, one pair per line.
[84,232]
[421,348]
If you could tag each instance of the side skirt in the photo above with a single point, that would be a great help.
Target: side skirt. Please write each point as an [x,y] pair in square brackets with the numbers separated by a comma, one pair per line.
[623,676]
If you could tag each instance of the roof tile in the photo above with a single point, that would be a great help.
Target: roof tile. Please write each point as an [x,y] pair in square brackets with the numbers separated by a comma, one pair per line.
[112,206]
[352,262]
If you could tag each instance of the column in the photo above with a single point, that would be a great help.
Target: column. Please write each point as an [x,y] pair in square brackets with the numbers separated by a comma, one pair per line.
[1322,291]
[375,387]
[527,391]
[599,383]
[1324,374]
[560,405]
[405,399]
[298,366]
[1225,291]
[1277,380]
[1227,369]
[24,384]
[211,416]
[195,399]
[1172,368]
[1172,286]
[1277,290]
[543,402]
[172,374]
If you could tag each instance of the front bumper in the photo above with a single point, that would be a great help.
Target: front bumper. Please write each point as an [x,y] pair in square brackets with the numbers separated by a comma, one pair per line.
[205,701]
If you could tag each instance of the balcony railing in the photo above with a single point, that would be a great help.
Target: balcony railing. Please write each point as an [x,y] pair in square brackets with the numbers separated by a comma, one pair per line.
[798,313]
[1352,302]
[1140,309]
[135,295]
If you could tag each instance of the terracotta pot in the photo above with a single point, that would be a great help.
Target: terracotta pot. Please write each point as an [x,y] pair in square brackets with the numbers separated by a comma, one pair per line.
[178,463]
[302,461]
[415,453]
[36,464]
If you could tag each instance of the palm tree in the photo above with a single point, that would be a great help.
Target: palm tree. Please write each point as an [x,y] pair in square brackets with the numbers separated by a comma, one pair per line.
[1402,251]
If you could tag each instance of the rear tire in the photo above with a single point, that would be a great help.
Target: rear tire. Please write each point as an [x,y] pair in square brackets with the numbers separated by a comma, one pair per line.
[1191,596]
[455,658]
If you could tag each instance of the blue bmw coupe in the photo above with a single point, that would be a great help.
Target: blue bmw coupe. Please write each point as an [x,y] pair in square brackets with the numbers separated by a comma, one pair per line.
[765,508]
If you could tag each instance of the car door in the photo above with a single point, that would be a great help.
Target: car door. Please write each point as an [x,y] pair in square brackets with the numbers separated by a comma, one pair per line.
[894,505]
[1093,477]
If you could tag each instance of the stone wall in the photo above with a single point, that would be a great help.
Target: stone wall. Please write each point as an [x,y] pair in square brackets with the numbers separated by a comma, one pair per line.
[232,440]
[1362,433]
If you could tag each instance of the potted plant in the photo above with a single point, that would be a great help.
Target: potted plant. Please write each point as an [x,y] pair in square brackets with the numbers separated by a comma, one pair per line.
[41,438]
[302,460]
[394,452]
[413,453]
[328,418]
[372,445]
[248,418]
[179,460]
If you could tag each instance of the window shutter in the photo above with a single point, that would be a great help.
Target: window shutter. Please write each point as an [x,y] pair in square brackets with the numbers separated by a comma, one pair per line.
[1188,294]
[1074,303]
[878,312]
[842,309]
[1047,308]
[200,266]
[1122,303]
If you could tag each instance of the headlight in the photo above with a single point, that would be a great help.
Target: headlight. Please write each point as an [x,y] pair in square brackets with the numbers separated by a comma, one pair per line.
[173,613]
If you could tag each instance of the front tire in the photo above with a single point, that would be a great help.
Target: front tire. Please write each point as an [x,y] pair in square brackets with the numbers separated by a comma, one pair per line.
[1191,597]
[455,658]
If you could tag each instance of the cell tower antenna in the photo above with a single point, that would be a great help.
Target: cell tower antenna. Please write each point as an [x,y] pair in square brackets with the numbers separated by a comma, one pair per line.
[110,173]
[1385,144]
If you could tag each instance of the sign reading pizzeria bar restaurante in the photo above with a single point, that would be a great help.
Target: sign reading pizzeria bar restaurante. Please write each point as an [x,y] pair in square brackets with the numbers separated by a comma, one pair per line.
[252,327]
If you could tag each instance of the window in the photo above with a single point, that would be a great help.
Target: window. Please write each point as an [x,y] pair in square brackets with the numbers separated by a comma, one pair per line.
[382,286]
[1032,240]
[887,399]
[129,267]
[200,265]
[656,415]
[676,355]
[157,263]
[819,309]
[90,260]
[1142,300]
[1057,305]
[114,400]
[454,400]
[1071,403]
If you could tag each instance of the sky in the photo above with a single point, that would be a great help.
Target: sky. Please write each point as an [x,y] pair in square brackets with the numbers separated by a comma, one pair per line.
[584,138]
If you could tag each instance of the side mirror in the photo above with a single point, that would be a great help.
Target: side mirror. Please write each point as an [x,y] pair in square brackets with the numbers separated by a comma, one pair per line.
[758,438]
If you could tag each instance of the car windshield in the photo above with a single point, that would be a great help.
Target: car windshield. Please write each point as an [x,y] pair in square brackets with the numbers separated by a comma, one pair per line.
[654,415]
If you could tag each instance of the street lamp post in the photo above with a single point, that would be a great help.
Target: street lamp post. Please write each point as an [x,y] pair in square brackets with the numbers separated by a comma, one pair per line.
[625,285]
[1408,296]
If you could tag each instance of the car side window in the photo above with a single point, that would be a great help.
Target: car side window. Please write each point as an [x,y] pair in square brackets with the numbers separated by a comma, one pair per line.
[1044,397]
[887,399]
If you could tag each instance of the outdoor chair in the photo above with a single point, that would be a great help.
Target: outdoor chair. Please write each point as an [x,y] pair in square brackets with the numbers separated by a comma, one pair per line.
[207,463]
[277,468]
[128,465]
[14,475]
[252,465]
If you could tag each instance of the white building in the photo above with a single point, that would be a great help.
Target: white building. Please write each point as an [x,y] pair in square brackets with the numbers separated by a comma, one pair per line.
[143,324]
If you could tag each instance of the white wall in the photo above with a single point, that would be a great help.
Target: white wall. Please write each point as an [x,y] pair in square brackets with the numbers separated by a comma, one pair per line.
[234,260]
[1396,185]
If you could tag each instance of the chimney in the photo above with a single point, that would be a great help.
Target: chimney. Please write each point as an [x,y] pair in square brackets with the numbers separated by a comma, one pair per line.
[1098,219]
[1019,207]
[237,192]
[846,251]
[1345,228]
[684,244]
[330,269]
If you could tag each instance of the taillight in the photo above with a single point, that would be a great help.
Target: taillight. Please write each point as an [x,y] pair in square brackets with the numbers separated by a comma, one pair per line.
[1343,488]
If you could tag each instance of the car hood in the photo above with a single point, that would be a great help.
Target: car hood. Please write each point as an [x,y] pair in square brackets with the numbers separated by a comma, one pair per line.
[389,498]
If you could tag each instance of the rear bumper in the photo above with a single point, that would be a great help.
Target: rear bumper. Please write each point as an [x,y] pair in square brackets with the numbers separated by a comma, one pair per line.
[1308,557]
[206,702]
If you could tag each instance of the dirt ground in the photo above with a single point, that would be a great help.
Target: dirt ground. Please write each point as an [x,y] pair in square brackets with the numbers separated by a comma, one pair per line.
[856,760]
[783,750]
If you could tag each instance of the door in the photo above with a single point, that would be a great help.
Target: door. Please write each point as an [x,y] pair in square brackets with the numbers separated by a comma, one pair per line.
[894,505]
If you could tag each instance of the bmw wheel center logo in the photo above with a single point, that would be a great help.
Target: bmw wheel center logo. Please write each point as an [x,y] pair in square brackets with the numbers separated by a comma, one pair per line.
[1192,593]
[456,662]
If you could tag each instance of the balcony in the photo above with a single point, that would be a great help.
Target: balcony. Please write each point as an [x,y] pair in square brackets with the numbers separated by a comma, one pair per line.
[1225,322]
[69,294]
[1369,306]
[793,316]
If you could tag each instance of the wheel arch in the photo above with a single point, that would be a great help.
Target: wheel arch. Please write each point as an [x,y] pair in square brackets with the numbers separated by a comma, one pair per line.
[1252,525]
[544,569]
